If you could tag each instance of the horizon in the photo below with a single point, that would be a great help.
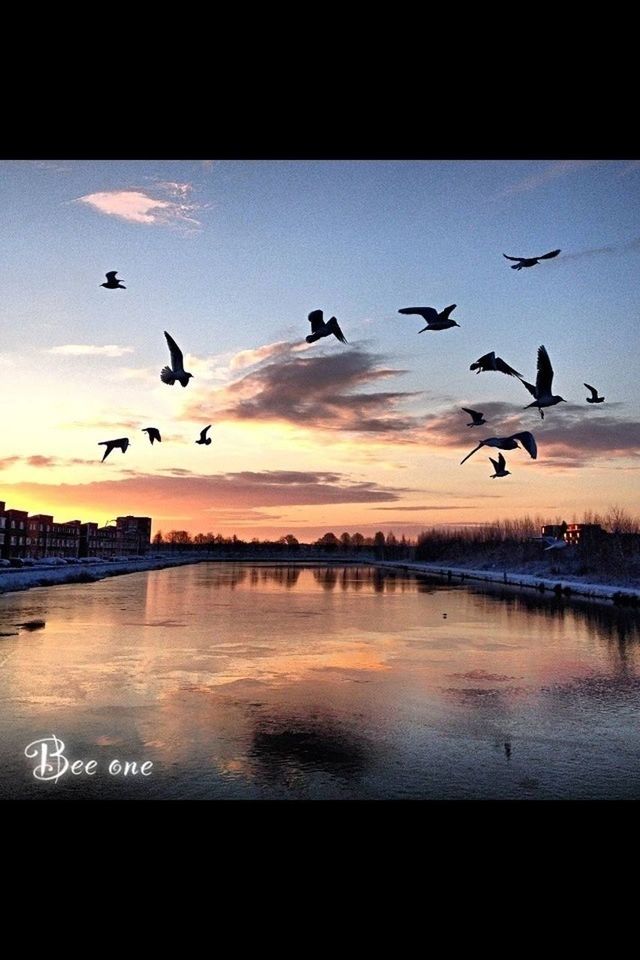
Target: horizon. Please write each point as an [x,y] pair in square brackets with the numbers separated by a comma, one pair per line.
[231,256]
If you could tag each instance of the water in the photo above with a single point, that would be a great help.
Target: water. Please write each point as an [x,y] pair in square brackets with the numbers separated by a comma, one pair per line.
[278,682]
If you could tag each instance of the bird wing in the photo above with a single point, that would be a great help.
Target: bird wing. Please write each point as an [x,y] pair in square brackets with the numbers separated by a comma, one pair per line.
[472,413]
[177,359]
[545,372]
[482,442]
[519,259]
[501,462]
[316,321]
[427,313]
[203,433]
[505,368]
[111,275]
[528,441]
[548,256]
[594,392]
[496,463]
[530,387]
[488,360]
[334,326]
[447,310]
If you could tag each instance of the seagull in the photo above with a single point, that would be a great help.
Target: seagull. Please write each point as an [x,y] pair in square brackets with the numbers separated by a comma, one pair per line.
[491,362]
[594,398]
[530,261]
[203,436]
[553,543]
[176,371]
[509,443]
[121,444]
[320,329]
[112,283]
[435,320]
[542,390]
[477,418]
[154,434]
[499,467]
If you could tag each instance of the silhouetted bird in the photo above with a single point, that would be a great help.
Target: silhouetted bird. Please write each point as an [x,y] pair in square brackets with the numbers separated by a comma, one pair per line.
[435,320]
[509,443]
[542,390]
[203,436]
[176,371]
[491,362]
[320,329]
[477,418]
[112,283]
[154,434]
[507,750]
[499,467]
[530,261]
[121,444]
[594,398]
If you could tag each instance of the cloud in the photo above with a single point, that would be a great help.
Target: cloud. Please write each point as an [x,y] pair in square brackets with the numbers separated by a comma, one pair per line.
[612,248]
[191,496]
[8,462]
[554,171]
[316,392]
[247,358]
[136,206]
[88,350]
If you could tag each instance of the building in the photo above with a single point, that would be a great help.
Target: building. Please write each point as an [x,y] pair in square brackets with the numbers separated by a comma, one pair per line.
[584,533]
[556,530]
[40,536]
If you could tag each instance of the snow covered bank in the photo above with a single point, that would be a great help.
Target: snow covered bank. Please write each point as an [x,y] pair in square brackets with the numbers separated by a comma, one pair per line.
[562,585]
[12,579]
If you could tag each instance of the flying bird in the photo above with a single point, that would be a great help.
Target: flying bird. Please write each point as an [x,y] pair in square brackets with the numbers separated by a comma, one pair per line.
[176,371]
[491,362]
[509,443]
[320,329]
[112,283]
[542,391]
[154,434]
[594,398]
[499,467]
[203,436]
[477,419]
[121,444]
[530,261]
[553,543]
[435,320]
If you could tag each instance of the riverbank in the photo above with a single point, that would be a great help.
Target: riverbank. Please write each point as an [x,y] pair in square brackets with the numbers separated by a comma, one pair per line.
[566,585]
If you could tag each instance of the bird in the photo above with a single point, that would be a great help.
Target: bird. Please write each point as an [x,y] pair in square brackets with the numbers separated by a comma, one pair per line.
[491,362]
[509,443]
[594,398]
[154,434]
[530,261]
[176,371]
[542,391]
[112,283]
[553,543]
[507,750]
[477,418]
[435,320]
[121,444]
[499,467]
[320,329]
[203,436]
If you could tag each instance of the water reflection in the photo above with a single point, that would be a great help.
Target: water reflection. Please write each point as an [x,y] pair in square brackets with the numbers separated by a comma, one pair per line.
[338,681]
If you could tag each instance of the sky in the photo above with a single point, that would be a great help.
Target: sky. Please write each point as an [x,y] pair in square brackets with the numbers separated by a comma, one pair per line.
[231,256]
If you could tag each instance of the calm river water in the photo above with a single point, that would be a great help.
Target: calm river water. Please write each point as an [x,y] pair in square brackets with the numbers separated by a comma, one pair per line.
[261,681]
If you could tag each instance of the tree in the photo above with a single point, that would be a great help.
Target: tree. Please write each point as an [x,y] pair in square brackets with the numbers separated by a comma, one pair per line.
[158,540]
[345,540]
[328,542]
[357,540]
[180,537]
[290,540]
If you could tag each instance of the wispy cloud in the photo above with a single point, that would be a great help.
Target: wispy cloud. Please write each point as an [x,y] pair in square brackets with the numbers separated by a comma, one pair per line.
[89,350]
[138,206]
[247,358]
[316,392]
[611,248]
[554,171]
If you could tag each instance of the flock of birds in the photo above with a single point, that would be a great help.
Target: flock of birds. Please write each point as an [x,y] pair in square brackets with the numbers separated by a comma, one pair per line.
[435,320]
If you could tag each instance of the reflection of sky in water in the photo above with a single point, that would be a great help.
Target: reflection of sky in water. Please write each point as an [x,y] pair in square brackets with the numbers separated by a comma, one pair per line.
[318,682]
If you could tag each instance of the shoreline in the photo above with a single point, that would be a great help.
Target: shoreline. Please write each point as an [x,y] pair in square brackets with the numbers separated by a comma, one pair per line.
[25,578]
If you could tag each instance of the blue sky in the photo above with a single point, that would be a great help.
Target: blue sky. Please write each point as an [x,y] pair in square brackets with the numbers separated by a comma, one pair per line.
[231,256]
